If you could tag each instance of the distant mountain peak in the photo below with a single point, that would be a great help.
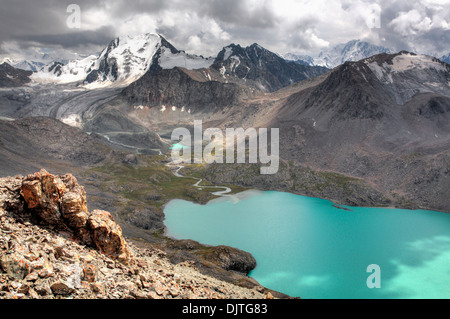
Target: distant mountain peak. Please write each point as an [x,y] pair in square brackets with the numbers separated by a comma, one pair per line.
[257,66]
[124,60]
[7,60]
[353,50]
[33,63]
[445,58]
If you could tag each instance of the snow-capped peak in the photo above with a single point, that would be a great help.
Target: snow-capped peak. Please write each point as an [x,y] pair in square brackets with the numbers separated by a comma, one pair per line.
[23,64]
[410,74]
[57,72]
[228,52]
[122,62]
[299,58]
[445,58]
[7,60]
[354,50]
[403,62]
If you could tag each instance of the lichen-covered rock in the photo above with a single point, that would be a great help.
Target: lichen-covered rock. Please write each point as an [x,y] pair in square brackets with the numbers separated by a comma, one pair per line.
[74,208]
[42,193]
[90,273]
[15,265]
[107,235]
[61,201]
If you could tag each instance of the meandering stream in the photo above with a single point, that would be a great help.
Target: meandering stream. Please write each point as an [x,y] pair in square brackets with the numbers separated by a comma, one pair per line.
[224,192]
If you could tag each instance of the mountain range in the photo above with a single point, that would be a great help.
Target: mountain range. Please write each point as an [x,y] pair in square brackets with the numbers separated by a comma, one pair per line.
[34,62]
[353,50]
[369,132]
[127,59]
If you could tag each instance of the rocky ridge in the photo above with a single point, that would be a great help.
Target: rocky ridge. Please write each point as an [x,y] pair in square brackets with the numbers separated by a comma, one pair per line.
[52,247]
[260,68]
[12,77]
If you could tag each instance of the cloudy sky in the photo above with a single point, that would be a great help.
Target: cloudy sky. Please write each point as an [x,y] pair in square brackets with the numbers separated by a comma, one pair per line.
[205,26]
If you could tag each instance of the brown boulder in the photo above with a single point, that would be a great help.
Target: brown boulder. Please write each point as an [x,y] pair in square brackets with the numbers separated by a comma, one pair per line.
[62,287]
[230,258]
[32,191]
[52,186]
[74,208]
[42,192]
[107,235]
[55,198]
[61,201]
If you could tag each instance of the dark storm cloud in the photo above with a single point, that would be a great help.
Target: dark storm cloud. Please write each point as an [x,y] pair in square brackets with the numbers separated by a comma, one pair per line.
[390,11]
[437,39]
[122,8]
[238,12]
[300,25]
[44,21]
[25,17]
[101,36]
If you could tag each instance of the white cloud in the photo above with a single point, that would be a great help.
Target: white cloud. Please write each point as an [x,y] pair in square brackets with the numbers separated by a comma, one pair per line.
[136,25]
[419,26]
[411,22]
[94,18]
[425,16]
[308,26]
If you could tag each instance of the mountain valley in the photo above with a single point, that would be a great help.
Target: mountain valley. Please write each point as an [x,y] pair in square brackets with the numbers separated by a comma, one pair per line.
[370,132]
[382,121]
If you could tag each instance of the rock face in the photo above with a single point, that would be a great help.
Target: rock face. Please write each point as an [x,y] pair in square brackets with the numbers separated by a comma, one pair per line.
[232,259]
[261,68]
[237,74]
[107,235]
[59,201]
[176,87]
[12,77]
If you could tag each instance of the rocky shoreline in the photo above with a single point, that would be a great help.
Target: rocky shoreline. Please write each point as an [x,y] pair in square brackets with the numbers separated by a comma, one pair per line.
[51,247]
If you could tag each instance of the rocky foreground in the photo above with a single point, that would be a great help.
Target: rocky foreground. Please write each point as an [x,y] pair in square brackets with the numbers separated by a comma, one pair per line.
[51,247]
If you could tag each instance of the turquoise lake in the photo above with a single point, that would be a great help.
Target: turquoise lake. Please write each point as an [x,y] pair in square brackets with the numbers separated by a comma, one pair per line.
[306,247]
